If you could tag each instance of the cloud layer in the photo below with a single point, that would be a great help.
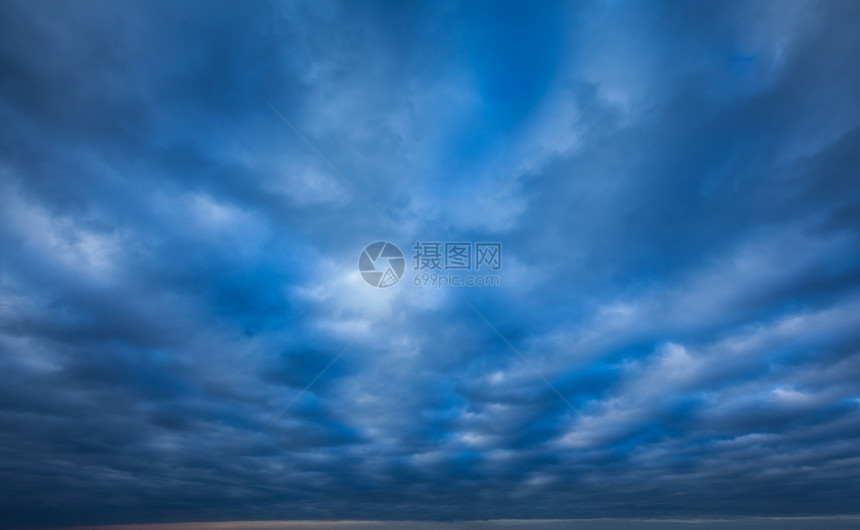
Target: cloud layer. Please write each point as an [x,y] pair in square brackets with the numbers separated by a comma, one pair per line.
[176,264]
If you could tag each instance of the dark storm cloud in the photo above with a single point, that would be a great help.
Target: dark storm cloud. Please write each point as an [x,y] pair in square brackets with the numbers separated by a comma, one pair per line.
[176,265]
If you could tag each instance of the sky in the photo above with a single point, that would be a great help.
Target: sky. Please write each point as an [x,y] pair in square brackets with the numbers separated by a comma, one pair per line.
[186,188]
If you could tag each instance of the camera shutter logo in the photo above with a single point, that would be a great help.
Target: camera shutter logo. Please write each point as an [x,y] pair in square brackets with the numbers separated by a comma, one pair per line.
[381,264]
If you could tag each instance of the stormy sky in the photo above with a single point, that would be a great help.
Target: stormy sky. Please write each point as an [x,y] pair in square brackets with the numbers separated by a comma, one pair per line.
[185,189]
